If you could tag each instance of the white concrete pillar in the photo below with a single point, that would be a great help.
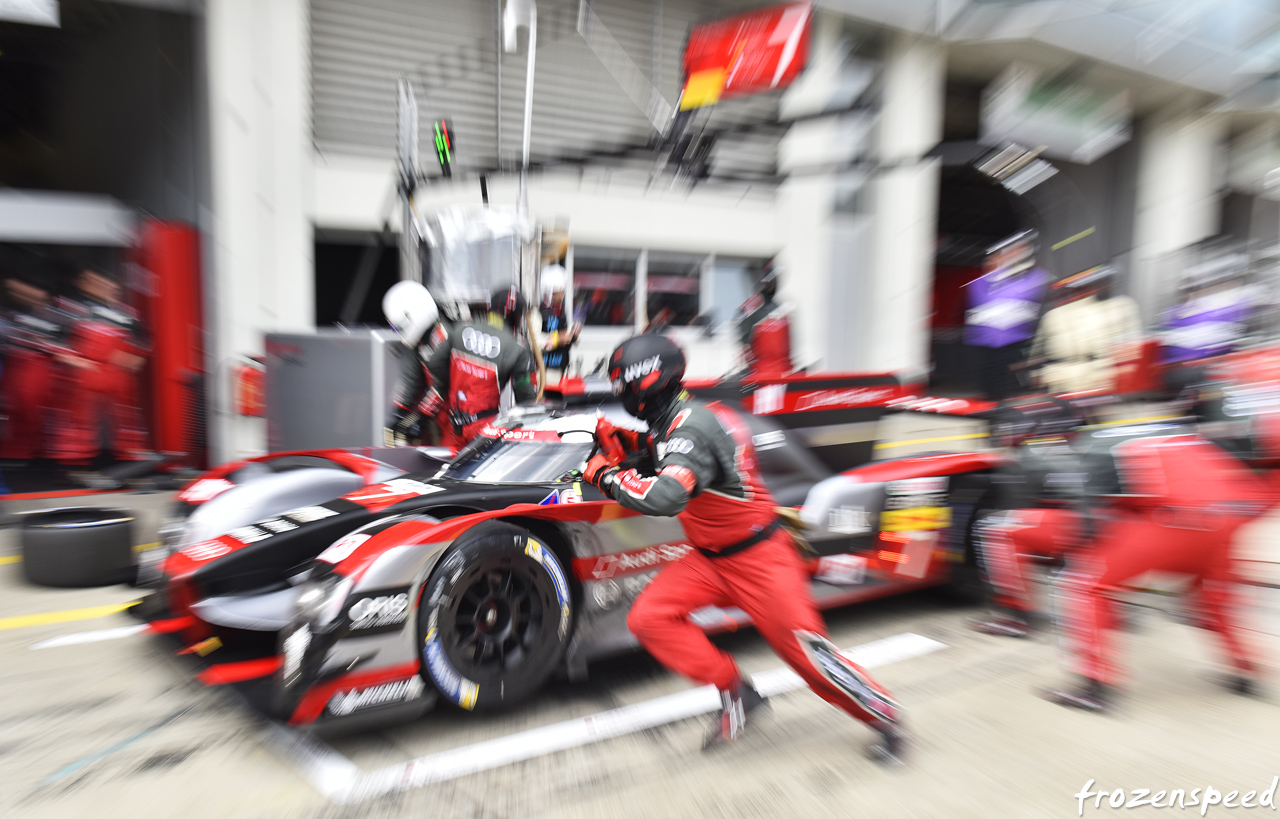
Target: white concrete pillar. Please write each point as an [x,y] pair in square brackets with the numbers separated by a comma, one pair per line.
[260,275]
[861,284]
[805,203]
[905,202]
[1180,157]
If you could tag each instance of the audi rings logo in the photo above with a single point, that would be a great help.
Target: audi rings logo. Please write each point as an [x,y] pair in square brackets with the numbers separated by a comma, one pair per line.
[376,612]
[482,344]
[207,550]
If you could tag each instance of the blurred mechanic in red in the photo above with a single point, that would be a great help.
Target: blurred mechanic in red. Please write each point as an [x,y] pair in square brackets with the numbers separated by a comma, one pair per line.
[412,313]
[1174,506]
[765,330]
[706,475]
[476,361]
[34,352]
[99,411]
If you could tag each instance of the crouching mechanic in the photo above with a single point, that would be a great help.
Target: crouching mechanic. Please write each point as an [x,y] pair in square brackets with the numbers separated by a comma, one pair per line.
[707,476]
[475,361]
[413,314]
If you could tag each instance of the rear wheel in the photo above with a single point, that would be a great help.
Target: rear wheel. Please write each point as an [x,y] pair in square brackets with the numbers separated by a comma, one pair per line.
[495,618]
[969,579]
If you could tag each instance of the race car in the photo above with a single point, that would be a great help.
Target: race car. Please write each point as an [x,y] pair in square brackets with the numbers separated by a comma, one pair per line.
[481,579]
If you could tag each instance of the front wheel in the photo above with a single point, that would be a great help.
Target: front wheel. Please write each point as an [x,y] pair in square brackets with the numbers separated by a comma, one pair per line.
[496,617]
[969,584]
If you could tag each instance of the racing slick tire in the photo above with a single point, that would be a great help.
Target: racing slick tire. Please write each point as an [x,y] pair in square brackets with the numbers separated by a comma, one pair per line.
[969,585]
[78,547]
[496,617]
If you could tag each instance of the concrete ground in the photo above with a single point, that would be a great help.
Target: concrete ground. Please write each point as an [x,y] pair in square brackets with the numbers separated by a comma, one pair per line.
[118,728]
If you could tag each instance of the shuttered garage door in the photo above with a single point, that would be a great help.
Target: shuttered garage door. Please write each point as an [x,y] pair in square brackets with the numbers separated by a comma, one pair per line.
[449,50]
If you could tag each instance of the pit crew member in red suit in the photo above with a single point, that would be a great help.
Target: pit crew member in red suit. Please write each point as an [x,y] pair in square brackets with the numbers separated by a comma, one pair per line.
[707,476]
[1175,507]
[100,402]
[476,361]
[34,353]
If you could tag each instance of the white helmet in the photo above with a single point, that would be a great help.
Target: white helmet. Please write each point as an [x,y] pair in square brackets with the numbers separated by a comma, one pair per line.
[554,279]
[410,311]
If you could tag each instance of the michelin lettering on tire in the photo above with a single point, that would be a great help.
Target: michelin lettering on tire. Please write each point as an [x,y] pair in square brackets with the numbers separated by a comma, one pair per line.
[452,684]
[548,561]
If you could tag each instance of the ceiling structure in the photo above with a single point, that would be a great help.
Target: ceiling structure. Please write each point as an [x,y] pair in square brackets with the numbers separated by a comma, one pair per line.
[1221,48]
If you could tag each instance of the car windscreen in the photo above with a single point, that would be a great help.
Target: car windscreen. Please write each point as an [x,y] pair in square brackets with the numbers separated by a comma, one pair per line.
[518,461]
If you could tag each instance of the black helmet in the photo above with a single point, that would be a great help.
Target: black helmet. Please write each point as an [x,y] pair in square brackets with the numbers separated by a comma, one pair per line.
[508,303]
[646,372]
[769,279]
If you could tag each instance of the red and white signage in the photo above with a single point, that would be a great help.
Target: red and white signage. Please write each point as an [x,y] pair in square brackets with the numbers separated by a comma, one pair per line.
[619,564]
[775,398]
[759,51]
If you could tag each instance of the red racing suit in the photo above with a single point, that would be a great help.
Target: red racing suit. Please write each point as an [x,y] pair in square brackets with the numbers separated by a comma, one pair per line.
[469,369]
[765,332]
[1184,501]
[30,377]
[99,404]
[707,476]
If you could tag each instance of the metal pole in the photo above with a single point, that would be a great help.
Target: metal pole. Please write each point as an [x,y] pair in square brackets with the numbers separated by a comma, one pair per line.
[498,95]
[528,110]
[407,154]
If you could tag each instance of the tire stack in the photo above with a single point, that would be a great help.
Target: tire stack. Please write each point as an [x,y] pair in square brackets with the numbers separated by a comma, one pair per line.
[78,547]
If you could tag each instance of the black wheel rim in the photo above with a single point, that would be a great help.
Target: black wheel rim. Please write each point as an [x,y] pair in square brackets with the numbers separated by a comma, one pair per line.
[495,617]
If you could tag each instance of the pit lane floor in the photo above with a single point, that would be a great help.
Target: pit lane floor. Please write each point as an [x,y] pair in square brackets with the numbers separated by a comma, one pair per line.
[118,729]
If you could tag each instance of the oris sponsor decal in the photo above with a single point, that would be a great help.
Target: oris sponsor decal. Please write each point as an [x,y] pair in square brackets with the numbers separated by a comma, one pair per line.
[548,561]
[309,514]
[482,344]
[641,368]
[624,563]
[206,550]
[205,490]
[346,702]
[342,549]
[379,611]
[452,684]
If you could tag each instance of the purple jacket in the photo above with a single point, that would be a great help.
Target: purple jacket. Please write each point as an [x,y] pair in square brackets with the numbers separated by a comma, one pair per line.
[1003,311]
[1206,326]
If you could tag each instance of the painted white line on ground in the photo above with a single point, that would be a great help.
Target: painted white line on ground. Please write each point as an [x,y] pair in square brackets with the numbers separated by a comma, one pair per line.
[91,636]
[337,778]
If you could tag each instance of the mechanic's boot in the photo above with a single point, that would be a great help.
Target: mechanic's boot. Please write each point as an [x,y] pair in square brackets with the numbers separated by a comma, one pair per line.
[1238,683]
[1090,695]
[737,704]
[891,748]
[1005,623]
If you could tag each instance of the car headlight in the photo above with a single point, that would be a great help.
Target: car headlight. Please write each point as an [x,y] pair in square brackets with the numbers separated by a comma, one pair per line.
[320,602]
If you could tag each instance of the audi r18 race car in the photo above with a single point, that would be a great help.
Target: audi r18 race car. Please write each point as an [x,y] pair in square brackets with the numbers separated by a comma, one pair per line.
[480,579]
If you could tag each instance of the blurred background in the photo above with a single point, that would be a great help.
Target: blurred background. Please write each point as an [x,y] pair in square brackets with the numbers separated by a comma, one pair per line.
[234,167]
[204,202]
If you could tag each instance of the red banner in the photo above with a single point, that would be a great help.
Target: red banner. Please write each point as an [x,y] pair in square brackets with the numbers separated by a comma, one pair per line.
[754,52]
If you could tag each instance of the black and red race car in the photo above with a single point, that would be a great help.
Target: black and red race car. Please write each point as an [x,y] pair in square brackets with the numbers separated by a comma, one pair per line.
[480,578]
